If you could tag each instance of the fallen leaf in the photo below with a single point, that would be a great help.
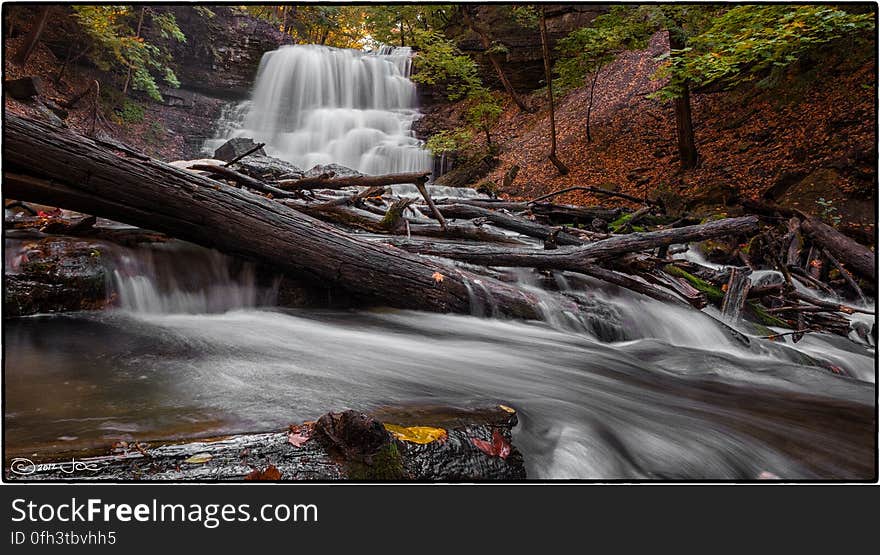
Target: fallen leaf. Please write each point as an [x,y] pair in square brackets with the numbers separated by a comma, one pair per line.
[438,277]
[270,474]
[499,447]
[417,434]
[200,458]
[298,435]
[505,408]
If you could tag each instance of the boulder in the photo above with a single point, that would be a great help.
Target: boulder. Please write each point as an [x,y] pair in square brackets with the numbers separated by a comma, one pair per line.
[24,88]
[233,148]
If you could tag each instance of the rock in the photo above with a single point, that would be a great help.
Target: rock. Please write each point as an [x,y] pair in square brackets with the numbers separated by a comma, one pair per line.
[181,98]
[467,172]
[268,168]
[56,274]
[332,170]
[523,64]
[233,148]
[23,89]
[222,52]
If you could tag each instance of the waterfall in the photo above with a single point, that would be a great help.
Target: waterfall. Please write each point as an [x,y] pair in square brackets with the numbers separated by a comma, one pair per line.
[153,281]
[320,105]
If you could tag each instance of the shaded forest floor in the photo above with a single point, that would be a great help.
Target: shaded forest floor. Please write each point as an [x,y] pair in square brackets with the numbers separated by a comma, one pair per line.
[804,140]
[164,132]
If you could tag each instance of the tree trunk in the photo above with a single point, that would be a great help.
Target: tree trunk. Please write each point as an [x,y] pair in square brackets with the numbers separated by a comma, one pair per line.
[51,166]
[33,37]
[137,35]
[507,221]
[548,74]
[578,258]
[590,103]
[687,147]
[856,257]
[471,21]
[322,182]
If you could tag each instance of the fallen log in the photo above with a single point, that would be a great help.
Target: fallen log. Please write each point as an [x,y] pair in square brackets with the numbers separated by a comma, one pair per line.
[858,258]
[507,221]
[577,258]
[599,191]
[737,291]
[53,166]
[846,276]
[242,179]
[323,182]
[436,443]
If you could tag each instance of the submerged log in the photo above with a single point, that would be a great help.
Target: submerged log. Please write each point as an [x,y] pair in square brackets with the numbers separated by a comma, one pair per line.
[323,182]
[448,445]
[57,167]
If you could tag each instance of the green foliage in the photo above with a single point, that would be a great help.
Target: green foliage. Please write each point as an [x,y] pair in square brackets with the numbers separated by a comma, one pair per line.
[440,63]
[130,112]
[448,141]
[120,48]
[587,50]
[483,112]
[757,43]
[828,212]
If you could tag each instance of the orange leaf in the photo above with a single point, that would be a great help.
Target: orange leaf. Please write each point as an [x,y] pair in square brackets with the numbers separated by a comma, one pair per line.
[271,474]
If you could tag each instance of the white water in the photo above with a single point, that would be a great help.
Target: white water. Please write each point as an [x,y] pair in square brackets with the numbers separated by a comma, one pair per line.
[613,385]
[319,105]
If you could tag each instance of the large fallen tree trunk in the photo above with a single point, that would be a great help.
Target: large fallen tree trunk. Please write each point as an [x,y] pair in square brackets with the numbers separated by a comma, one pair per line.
[49,165]
[580,259]
[856,257]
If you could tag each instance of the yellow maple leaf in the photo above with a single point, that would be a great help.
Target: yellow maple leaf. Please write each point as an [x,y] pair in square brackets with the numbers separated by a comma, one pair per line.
[416,434]
[438,277]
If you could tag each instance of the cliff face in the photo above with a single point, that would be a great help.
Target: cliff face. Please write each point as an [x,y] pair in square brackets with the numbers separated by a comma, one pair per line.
[523,64]
[222,53]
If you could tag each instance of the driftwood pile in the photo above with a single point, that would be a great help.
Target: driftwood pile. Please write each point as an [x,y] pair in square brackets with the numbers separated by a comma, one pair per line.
[426,253]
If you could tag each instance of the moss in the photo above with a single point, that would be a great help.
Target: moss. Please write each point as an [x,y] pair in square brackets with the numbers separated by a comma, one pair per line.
[765,317]
[619,223]
[387,464]
[714,294]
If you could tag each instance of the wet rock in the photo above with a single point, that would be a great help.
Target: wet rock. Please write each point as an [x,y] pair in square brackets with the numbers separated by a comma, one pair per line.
[223,51]
[233,148]
[56,274]
[453,457]
[331,170]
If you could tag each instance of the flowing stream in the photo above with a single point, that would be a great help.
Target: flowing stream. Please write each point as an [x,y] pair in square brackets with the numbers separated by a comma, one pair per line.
[637,389]
[627,388]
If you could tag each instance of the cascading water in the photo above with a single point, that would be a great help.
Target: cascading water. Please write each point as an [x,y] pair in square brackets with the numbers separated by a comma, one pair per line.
[320,105]
[609,385]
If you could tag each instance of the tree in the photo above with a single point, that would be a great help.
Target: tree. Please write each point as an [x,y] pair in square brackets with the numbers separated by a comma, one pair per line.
[584,52]
[757,43]
[492,51]
[545,47]
[116,45]
[33,37]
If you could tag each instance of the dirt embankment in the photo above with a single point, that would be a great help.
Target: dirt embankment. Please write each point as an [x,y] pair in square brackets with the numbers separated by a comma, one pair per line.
[799,143]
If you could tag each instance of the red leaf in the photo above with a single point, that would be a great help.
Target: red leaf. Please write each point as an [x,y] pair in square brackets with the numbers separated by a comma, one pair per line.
[271,474]
[298,435]
[499,447]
